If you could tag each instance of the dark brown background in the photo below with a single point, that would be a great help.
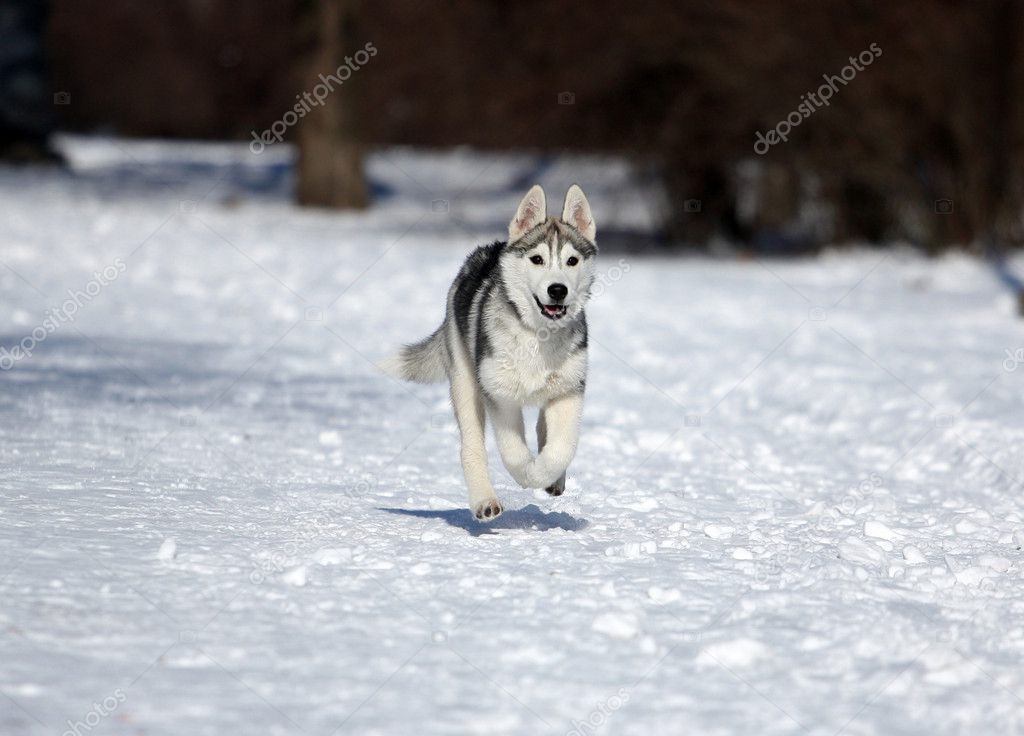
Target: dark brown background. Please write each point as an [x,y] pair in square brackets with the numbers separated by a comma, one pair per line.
[681,86]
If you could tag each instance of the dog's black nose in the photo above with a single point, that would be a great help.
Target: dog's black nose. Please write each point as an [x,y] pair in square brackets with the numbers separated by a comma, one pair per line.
[558,291]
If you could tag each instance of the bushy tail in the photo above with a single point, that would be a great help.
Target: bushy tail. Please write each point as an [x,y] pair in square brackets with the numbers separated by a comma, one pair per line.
[422,362]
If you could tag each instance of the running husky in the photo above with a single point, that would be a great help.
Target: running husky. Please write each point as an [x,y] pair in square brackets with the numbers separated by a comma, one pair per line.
[514,335]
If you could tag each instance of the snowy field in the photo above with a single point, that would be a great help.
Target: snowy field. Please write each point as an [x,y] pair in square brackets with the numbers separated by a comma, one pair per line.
[796,507]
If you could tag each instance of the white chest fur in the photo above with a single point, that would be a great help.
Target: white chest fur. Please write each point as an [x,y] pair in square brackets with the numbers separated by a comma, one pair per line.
[528,367]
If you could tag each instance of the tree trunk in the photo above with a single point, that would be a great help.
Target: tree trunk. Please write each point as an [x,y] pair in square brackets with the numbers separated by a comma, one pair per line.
[330,169]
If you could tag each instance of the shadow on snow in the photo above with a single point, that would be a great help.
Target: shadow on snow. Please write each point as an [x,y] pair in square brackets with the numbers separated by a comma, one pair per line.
[529,517]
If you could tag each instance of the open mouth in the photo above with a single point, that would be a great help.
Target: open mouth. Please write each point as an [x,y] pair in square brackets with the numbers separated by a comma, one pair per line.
[551,311]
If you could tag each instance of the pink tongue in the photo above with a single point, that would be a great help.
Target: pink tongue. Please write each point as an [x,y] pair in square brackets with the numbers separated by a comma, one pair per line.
[552,309]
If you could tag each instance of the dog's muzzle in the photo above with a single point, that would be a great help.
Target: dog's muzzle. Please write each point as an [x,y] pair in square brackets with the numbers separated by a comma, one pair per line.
[551,311]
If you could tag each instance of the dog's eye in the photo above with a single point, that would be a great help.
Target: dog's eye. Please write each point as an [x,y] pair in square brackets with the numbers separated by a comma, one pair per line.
[572,261]
[536,259]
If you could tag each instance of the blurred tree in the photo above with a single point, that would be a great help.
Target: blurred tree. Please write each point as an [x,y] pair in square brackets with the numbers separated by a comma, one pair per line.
[330,170]
[26,99]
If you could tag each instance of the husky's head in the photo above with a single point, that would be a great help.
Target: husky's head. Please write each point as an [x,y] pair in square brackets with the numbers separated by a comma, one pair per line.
[548,264]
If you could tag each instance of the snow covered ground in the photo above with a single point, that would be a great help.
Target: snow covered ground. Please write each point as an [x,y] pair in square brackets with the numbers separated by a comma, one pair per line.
[796,508]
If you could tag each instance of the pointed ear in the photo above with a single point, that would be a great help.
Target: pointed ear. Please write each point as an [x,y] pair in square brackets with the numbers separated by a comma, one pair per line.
[533,210]
[576,212]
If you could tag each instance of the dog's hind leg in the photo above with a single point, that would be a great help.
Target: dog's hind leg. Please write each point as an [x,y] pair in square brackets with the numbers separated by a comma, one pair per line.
[467,400]
[558,487]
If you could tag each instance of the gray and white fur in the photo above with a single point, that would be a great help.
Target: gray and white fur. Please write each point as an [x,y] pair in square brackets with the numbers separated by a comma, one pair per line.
[515,335]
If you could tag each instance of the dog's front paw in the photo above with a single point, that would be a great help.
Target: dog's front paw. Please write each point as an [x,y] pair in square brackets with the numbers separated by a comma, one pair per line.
[487,510]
